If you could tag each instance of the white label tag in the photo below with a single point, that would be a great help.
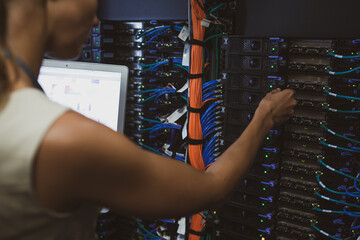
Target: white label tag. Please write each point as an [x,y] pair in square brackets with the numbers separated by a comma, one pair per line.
[177,115]
[186,55]
[205,23]
[184,130]
[184,33]
[184,88]
[182,227]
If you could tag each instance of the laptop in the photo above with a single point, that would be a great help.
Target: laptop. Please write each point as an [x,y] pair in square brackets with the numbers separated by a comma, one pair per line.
[97,91]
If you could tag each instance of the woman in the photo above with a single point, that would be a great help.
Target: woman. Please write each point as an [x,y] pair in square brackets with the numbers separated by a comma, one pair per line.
[57,167]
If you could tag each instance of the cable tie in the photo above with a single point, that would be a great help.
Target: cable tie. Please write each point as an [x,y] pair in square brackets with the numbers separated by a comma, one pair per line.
[200,234]
[194,110]
[194,141]
[195,42]
[194,76]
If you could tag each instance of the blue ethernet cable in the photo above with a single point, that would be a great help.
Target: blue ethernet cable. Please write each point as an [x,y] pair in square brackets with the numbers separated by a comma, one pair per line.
[209,128]
[210,119]
[208,95]
[340,111]
[211,83]
[209,115]
[336,192]
[148,65]
[149,30]
[341,96]
[157,35]
[165,126]
[213,107]
[151,149]
[328,189]
[337,171]
[175,61]
[207,154]
[355,185]
[211,160]
[342,56]
[211,143]
[342,73]
[339,135]
[325,233]
[209,88]
[150,120]
[156,31]
[144,229]
[154,66]
[147,99]
[351,214]
[210,151]
[337,147]
[148,91]
[163,93]
[336,201]
[352,194]
[328,211]
[211,131]
[153,95]
[356,227]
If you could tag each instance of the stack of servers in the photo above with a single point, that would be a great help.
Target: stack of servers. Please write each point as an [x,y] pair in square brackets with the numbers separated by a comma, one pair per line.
[250,73]
[317,191]
[315,188]
[157,95]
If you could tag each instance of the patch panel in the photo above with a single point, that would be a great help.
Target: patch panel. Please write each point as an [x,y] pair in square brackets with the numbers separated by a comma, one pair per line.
[299,166]
[298,199]
[298,217]
[295,231]
[298,184]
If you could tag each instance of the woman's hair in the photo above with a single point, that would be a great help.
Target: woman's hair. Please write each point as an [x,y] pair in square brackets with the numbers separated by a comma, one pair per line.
[4,80]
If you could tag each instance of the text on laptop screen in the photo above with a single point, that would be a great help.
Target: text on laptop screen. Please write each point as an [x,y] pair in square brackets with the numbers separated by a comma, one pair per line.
[94,94]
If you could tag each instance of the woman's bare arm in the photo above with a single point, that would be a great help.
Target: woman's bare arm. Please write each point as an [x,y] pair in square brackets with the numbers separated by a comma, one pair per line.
[81,161]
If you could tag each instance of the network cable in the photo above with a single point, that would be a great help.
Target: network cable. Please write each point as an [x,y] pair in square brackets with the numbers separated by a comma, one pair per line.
[357,194]
[337,201]
[155,66]
[355,184]
[157,93]
[325,233]
[328,189]
[335,211]
[342,56]
[149,120]
[342,73]
[337,147]
[339,111]
[351,214]
[155,30]
[341,96]
[339,135]
[339,172]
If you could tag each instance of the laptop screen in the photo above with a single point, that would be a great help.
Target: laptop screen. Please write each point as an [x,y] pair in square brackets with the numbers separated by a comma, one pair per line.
[96,94]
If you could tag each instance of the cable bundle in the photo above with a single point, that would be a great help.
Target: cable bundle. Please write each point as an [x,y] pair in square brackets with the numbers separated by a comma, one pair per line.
[195,99]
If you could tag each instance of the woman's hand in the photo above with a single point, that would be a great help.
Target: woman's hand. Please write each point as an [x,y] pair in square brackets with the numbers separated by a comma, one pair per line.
[278,106]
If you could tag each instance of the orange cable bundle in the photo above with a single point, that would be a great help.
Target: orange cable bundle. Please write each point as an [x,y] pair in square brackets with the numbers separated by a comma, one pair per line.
[195,96]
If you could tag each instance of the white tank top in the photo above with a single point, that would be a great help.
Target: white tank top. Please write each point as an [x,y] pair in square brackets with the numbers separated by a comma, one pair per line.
[24,120]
